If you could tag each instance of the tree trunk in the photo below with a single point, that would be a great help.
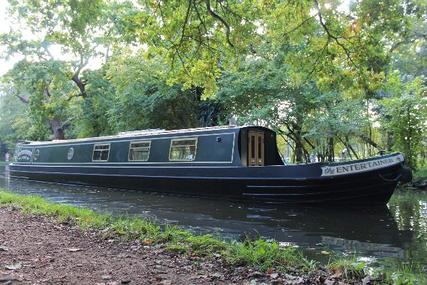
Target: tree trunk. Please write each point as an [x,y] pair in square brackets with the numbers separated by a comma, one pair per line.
[297,130]
[299,152]
[331,150]
[80,84]
[58,132]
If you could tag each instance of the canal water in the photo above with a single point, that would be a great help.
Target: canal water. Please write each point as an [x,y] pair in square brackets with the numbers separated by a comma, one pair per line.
[398,231]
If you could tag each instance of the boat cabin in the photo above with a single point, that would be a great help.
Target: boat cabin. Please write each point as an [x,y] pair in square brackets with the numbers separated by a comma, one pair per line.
[230,145]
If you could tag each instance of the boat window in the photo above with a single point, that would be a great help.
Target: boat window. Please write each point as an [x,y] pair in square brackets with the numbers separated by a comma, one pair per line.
[183,149]
[255,148]
[139,150]
[101,152]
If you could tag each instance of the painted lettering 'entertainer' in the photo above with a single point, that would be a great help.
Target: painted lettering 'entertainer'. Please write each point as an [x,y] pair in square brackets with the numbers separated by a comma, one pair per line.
[361,166]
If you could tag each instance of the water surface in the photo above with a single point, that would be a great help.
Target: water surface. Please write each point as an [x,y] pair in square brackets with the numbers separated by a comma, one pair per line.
[398,231]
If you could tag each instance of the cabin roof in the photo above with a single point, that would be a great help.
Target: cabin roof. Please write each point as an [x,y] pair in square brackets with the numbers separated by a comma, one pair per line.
[143,133]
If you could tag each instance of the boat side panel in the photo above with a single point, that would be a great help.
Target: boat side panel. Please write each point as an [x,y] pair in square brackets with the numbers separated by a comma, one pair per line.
[367,188]
[211,148]
[272,156]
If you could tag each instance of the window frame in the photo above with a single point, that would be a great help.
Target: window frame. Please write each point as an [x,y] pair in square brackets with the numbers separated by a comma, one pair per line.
[196,139]
[101,144]
[139,141]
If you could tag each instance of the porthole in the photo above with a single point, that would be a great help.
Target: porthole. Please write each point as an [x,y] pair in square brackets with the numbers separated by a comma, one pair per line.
[36,154]
[70,153]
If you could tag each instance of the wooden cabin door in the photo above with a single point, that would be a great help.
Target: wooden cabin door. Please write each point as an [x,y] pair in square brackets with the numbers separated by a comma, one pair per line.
[256,148]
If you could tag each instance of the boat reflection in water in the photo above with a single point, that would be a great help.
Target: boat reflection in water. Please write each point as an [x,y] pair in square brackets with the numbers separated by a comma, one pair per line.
[370,231]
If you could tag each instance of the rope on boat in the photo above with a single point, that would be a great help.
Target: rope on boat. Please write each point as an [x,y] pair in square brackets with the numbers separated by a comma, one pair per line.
[390,180]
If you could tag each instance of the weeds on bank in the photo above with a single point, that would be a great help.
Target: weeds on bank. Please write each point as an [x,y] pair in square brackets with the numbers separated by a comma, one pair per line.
[401,273]
[348,268]
[383,272]
[421,173]
[268,254]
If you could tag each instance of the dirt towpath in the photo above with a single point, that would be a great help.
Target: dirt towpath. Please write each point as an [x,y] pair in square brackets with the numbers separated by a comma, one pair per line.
[37,250]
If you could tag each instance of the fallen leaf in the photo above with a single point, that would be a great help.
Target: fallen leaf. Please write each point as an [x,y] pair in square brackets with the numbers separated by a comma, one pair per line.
[147,241]
[8,279]
[14,266]
[337,274]
[217,275]
[74,249]
[106,277]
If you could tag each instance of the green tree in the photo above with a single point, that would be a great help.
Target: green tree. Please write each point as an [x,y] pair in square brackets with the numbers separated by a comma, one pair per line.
[262,91]
[92,113]
[14,119]
[46,88]
[405,116]
[81,30]
[197,38]
[143,98]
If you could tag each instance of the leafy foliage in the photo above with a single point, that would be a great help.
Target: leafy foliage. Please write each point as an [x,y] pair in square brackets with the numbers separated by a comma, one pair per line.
[406,114]
[334,81]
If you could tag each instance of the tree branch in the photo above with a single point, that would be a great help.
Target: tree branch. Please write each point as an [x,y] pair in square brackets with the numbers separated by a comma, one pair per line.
[298,26]
[187,15]
[22,99]
[178,46]
[76,76]
[318,58]
[330,35]
[370,142]
[200,17]
[216,16]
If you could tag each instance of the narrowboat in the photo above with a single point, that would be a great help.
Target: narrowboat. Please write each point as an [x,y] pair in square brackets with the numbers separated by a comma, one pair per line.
[229,162]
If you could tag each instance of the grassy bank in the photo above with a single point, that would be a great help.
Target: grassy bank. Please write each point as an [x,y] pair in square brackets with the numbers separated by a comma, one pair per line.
[421,173]
[263,255]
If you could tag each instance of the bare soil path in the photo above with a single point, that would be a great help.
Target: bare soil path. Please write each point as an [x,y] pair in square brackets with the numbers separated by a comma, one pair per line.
[36,250]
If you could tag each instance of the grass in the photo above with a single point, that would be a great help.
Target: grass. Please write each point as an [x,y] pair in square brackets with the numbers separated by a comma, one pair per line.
[383,272]
[265,255]
[348,268]
[421,172]
[404,274]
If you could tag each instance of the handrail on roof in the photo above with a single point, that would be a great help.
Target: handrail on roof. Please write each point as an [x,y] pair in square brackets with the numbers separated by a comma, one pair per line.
[137,133]
[140,132]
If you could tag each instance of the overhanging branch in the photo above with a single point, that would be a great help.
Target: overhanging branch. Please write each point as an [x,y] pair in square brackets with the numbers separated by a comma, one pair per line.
[216,16]
[332,36]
